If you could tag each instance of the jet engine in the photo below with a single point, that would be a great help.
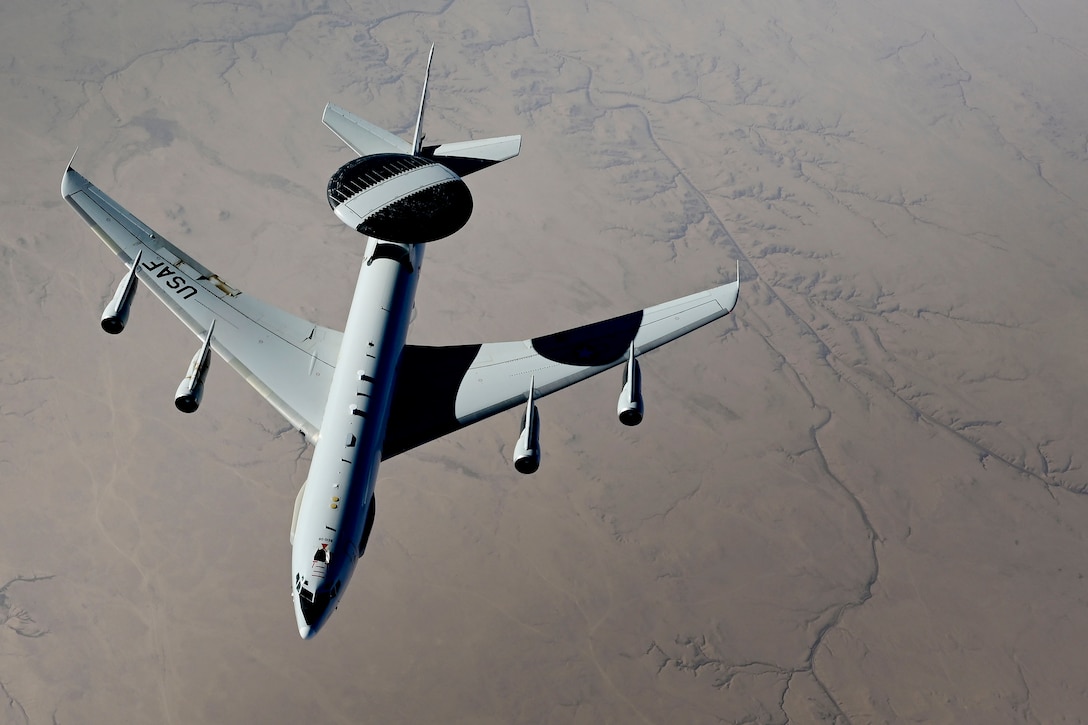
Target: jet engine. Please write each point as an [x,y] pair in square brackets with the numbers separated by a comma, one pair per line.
[115,315]
[527,450]
[630,408]
[191,390]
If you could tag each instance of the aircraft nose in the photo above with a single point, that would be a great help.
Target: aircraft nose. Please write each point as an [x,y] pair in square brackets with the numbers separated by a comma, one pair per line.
[307,629]
[313,609]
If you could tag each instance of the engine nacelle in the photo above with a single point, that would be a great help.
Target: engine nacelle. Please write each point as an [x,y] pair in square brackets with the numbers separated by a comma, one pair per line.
[187,398]
[527,450]
[630,408]
[115,315]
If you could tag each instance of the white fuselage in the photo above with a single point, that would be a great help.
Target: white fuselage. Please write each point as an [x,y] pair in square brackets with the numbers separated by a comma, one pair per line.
[334,503]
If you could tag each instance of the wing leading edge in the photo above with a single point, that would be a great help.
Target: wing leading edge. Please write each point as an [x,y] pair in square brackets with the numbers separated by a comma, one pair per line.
[443,389]
[288,360]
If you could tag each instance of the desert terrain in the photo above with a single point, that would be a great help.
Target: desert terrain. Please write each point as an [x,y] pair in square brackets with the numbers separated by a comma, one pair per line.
[861,498]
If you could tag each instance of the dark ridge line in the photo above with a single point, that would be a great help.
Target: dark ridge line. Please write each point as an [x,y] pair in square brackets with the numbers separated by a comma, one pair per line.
[825,354]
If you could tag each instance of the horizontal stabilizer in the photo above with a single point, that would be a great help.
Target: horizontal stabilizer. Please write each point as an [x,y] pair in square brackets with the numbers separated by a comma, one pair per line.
[464,157]
[363,137]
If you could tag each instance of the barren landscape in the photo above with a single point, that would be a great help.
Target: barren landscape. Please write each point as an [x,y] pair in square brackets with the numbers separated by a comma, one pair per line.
[861,498]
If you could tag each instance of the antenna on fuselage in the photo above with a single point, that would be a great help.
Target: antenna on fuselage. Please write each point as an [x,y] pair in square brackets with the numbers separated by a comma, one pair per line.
[417,139]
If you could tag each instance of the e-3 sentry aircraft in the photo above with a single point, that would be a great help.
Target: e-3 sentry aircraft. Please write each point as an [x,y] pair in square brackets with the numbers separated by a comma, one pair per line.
[364,395]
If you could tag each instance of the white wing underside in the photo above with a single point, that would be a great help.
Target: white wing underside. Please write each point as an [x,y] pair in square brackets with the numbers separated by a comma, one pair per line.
[496,379]
[286,359]
[443,389]
[290,361]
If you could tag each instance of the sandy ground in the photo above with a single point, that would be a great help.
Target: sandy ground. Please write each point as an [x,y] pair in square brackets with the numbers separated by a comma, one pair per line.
[859,499]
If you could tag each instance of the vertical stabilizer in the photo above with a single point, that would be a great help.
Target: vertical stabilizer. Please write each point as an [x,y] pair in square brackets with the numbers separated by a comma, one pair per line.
[417,139]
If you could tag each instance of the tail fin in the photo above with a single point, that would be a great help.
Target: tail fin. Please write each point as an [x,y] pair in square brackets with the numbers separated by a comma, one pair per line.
[461,157]
[417,139]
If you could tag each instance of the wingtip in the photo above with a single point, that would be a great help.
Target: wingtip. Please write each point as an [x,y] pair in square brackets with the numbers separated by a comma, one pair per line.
[730,293]
[71,181]
[328,113]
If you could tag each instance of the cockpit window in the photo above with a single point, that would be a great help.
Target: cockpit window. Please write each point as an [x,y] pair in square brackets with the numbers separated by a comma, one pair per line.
[314,605]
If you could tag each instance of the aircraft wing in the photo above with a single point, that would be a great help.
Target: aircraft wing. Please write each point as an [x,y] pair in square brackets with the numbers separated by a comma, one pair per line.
[442,389]
[288,360]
